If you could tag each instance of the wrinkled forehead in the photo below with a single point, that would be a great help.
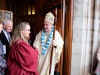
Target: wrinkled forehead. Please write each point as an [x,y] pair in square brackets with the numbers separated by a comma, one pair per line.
[7,22]
[47,23]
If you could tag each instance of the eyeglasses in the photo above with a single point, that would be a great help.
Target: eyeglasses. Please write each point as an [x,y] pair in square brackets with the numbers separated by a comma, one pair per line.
[27,29]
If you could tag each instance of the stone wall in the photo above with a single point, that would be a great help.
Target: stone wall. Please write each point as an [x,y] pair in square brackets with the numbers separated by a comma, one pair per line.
[85,35]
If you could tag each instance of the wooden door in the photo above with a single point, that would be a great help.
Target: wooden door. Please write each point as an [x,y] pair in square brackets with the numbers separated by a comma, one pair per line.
[67,37]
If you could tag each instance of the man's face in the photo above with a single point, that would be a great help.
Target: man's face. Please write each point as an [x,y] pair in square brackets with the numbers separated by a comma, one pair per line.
[8,27]
[47,26]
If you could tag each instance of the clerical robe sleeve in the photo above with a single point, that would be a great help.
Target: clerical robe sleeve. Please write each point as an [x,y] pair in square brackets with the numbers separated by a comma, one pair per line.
[59,48]
[37,41]
[25,56]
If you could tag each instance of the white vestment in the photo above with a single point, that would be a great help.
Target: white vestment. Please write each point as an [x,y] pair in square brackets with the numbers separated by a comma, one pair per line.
[44,60]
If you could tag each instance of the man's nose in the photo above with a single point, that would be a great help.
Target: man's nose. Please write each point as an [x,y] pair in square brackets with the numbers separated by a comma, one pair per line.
[44,25]
[10,28]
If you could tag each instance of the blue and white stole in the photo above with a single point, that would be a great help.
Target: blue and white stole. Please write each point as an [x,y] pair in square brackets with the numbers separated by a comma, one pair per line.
[45,45]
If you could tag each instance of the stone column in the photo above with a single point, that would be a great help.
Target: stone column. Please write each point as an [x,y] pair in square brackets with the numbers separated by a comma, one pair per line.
[85,36]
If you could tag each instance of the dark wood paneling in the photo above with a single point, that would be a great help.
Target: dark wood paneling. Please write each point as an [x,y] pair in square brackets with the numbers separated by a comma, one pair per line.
[64,24]
[68,38]
[3,4]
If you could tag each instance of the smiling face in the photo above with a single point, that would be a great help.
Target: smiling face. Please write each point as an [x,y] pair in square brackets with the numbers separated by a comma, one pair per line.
[47,26]
[26,31]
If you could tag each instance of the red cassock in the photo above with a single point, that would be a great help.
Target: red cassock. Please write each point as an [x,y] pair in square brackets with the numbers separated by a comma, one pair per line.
[22,59]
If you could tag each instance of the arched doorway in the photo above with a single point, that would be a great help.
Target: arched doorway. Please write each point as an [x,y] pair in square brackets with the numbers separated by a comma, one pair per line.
[64,23]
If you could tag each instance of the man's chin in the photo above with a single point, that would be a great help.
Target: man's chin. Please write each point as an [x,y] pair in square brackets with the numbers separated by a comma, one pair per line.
[10,31]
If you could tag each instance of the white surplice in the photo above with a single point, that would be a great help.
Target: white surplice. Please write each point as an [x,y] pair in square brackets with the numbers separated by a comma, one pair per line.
[44,60]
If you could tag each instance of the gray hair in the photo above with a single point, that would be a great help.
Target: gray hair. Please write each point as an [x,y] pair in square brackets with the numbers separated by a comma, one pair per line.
[6,21]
